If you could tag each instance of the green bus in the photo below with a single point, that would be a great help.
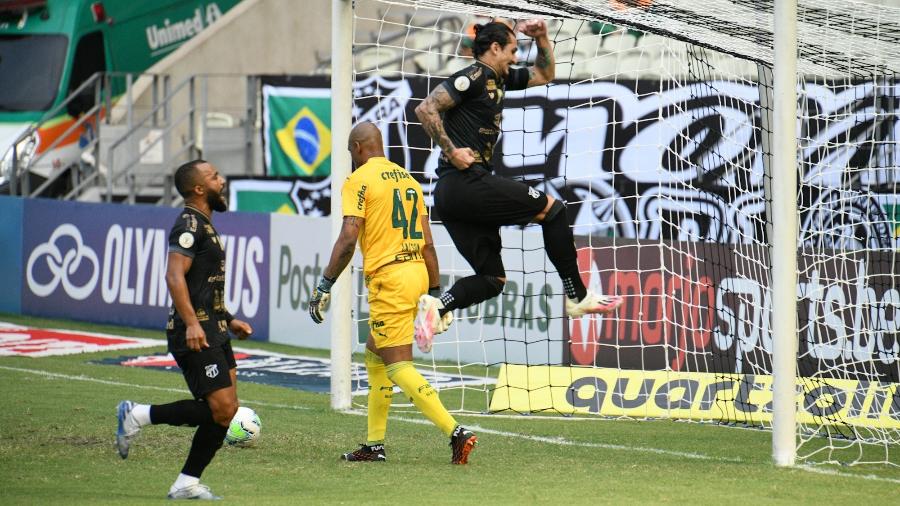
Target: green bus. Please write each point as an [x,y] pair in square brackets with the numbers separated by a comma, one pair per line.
[48,48]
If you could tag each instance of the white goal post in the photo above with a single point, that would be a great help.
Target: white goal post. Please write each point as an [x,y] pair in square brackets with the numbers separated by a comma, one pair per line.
[341,120]
[784,235]
[730,169]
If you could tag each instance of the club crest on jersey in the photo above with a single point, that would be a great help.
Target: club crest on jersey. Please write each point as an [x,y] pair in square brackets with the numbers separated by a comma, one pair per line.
[534,193]
[212,370]
[461,83]
[186,240]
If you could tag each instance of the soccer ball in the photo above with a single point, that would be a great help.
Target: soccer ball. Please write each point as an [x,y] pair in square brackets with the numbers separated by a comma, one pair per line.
[244,428]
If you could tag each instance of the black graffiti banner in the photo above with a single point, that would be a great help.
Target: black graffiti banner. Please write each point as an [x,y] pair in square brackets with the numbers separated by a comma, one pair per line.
[705,307]
[656,159]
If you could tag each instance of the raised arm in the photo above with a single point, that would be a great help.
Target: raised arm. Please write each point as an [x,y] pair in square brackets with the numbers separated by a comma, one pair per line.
[544,69]
[429,113]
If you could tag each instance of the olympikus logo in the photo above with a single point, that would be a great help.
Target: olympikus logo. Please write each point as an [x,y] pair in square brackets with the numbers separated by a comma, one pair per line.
[129,267]
[169,33]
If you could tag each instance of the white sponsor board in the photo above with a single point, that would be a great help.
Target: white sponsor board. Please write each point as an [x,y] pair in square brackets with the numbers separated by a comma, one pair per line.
[300,248]
[522,325]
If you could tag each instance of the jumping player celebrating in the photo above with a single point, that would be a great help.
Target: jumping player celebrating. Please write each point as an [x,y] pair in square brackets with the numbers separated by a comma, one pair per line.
[462,116]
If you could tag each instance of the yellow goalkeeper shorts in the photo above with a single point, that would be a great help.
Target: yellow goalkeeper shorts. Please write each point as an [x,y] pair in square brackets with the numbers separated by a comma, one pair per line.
[394,292]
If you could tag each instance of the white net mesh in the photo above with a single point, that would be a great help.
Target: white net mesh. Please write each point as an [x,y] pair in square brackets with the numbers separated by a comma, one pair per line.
[656,133]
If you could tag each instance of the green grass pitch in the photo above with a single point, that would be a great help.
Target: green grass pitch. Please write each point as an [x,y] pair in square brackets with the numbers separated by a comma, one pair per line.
[57,426]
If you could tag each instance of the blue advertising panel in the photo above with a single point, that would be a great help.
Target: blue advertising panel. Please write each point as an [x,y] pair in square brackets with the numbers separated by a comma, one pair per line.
[246,241]
[107,263]
[11,254]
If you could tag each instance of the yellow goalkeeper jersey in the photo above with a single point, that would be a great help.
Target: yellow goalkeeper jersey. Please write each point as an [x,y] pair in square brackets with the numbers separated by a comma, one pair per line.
[391,202]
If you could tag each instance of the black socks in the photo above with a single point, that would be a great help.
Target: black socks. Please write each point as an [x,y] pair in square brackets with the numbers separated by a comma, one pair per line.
[187,412]
[560,245]
[207,441]
[469,291]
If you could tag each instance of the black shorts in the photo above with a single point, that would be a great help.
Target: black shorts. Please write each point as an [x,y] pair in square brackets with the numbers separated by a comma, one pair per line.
[473,204]
[207,370]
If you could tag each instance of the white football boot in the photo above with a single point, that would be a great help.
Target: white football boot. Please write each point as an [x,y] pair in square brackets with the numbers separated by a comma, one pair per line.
[196,491]
[429,321]
[128,427]
[593,304]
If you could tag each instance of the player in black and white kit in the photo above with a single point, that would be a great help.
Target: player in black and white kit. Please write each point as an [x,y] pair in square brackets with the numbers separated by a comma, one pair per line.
[462,116]
[197,332]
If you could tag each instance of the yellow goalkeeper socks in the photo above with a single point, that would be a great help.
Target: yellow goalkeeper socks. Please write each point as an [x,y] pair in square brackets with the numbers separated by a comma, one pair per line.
[422,395]
[381,390]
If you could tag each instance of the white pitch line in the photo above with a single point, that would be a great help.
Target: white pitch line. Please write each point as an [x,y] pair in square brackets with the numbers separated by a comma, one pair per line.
[540,439]
[55,375]
[832,472]
[696,456]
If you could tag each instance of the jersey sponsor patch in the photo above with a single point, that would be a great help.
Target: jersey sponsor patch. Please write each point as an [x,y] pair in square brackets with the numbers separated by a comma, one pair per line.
[190,221]
[461,83]
[361,198]
[186,240]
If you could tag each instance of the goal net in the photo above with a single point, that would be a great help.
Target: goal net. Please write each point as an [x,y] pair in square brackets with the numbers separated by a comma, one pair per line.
[657,134]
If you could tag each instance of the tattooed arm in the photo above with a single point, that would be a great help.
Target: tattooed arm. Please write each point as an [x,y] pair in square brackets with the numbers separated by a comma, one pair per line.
[344,246]
[429,113]
[544,69]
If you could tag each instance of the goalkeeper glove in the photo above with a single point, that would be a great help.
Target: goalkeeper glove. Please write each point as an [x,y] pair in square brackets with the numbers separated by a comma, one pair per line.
[435,291]
[318,304]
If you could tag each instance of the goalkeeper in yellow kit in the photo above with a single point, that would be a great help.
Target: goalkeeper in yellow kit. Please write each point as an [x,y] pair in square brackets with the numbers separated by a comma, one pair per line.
[383,208]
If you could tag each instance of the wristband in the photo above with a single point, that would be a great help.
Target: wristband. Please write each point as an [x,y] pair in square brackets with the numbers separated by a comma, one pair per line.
[325,284]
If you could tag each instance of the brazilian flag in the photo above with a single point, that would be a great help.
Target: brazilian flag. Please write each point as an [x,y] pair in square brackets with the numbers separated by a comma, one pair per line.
[297,131]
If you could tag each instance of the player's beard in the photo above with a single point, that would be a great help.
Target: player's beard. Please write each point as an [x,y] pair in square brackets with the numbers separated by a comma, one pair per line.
[216,202]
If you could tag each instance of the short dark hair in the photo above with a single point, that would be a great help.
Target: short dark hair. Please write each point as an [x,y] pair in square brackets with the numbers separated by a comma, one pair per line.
[186,176]
[488,33]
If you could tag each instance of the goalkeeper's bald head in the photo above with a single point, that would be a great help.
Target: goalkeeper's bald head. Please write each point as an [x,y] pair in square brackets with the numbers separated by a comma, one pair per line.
[365,142]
